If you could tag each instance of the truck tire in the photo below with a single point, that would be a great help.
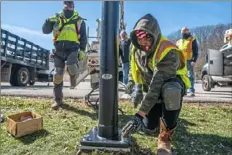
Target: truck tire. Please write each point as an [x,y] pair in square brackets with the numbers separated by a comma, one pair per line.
[22,76]
[206,83]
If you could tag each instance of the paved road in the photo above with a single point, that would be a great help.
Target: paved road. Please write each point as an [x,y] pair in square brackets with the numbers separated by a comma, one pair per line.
[42,90]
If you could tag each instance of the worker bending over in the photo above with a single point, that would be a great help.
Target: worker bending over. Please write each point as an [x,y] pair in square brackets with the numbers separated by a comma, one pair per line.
[69,36]
[158,68]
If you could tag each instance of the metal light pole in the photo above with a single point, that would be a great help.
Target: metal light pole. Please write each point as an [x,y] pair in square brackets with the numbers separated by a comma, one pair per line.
[107,136]
[108,117]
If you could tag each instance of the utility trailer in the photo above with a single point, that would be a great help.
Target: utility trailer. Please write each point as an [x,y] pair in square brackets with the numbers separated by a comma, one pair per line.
[21,60]
[93,58]
[218,68]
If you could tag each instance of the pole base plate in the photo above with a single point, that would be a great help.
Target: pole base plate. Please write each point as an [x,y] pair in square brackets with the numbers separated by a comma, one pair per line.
[91,142]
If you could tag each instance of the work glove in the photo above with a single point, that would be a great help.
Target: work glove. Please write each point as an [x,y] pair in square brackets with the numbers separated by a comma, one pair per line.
[53,20]
[81,55]
[129,87]
[137,95]
[134,125]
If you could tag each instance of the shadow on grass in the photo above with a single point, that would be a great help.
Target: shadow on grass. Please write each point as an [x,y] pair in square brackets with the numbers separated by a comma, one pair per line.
[189,143]
[79,111]
[28,139]
[192,144]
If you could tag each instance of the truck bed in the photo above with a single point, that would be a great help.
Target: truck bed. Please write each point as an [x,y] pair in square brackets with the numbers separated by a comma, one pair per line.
[17,50]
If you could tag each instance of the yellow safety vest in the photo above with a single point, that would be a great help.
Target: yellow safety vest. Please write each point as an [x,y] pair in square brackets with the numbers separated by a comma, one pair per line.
[69,32]
[162,50]
[185,45]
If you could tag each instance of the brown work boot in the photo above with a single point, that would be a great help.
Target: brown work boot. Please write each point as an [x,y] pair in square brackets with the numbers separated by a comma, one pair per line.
[56,105]
[164,140]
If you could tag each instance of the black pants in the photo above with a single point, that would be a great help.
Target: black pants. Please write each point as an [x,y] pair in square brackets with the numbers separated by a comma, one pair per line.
[159,111]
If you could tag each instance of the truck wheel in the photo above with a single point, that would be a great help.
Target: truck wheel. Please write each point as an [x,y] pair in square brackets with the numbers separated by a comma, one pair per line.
[206,83]
[22,76]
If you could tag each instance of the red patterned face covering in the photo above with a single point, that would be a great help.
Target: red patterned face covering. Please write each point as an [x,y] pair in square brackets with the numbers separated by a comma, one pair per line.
[140,34]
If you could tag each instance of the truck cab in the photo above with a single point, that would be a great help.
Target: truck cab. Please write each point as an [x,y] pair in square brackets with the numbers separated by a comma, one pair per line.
[218,68]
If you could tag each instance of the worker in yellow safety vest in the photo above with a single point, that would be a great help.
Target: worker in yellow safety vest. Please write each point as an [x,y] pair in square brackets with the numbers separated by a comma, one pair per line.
[69,37]
[188,45]
[158,68]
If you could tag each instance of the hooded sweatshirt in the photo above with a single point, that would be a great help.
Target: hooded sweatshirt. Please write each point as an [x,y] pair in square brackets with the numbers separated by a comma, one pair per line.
[165,69]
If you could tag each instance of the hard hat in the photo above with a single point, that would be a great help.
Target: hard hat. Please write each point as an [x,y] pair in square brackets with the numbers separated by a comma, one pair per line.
[184,29]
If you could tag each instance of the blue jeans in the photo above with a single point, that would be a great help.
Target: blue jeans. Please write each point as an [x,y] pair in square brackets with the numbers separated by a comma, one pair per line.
[125,68]
[191,76]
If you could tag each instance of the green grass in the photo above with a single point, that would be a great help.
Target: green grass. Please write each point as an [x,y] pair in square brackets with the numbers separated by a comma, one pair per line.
[203,129]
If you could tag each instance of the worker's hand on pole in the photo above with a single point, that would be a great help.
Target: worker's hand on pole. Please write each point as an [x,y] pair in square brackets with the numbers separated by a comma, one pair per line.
[129,87]
[134,125]
[81,55]
[137,95]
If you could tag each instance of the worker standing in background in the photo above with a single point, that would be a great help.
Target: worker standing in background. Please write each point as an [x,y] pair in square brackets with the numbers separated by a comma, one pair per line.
[69,36]
[124,54]
[160,66]
[188,45]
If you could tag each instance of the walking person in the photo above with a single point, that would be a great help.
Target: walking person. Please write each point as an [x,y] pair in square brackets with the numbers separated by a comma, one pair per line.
[69,36]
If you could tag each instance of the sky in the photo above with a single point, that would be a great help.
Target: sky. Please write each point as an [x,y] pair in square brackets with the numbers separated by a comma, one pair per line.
[25,18]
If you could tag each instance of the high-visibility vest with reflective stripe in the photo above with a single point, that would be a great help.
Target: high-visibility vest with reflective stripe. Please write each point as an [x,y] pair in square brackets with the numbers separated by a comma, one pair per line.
[185,45]
[162,50]
[135,73]
[70,32]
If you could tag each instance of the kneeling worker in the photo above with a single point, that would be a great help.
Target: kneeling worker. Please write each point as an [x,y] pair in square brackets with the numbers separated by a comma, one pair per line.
[158,67]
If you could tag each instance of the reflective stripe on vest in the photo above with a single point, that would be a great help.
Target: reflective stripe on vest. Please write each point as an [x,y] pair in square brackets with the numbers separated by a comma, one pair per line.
[186,46]
[162,50]
[134,68]
[70,32]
